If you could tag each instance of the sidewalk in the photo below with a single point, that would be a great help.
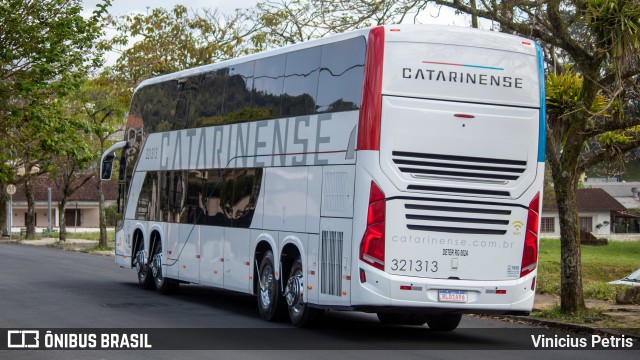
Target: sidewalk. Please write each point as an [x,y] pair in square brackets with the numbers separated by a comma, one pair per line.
[624,316]
[70,244]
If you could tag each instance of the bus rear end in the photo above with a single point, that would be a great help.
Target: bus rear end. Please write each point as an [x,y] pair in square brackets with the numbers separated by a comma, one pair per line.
[450,171]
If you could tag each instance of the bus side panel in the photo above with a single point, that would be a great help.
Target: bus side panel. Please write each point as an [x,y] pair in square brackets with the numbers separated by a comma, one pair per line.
[189,262]
[313,270]
[211,258]
[236,259]
[171,250]
[285,202]
[314,189]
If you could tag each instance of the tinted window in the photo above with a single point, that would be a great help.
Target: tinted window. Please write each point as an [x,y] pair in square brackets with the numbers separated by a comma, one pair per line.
[301,82]
[172,192]
[215,214]
[147,207]
[267,86]
[157,106]
[226,195]
[246,188]
[341,74]
[192,209]
[237,104]
[210,98]
[186,105]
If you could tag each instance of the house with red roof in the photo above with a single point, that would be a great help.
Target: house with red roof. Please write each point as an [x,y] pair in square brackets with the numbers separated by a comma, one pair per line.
[598,212]
[82,209]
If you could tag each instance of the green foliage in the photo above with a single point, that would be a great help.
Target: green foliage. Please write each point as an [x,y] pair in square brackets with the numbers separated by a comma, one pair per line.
[616,26]
[584,316]
[110,213]
[563,91]
[600,264]
[177,39]
[46,50]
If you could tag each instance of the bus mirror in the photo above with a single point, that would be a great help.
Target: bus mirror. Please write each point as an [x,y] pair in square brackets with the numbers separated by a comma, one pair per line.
[106,163]
[106,167]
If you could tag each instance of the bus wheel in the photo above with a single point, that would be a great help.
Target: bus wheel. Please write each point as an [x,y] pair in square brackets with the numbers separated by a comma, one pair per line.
[163,285]
[300,313]
[443,322]
[401,318]
[144,278]
[270,301]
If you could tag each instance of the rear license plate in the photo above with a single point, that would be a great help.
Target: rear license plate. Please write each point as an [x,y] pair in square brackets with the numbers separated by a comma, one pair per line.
[453,296]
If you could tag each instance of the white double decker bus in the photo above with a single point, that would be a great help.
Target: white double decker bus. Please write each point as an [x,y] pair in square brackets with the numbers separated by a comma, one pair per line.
[396,170]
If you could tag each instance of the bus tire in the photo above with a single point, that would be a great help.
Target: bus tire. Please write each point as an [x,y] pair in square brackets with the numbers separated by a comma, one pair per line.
[271,304]
[300,313]
[163,285]
[443,322]
[142,268]
[401,318]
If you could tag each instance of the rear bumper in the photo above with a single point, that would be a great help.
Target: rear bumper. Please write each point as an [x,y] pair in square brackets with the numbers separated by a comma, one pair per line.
[382,292]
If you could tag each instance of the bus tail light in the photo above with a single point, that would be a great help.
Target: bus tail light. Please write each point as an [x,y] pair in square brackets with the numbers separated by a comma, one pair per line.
[372,245]
[530,252]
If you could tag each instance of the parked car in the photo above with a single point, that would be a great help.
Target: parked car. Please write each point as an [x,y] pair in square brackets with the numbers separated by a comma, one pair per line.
[633,279]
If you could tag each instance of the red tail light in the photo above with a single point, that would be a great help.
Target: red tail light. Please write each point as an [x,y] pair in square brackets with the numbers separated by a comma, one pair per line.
[530,252]
[372,245]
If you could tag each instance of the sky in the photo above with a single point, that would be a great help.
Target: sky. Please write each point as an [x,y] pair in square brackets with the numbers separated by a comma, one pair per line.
[123,7]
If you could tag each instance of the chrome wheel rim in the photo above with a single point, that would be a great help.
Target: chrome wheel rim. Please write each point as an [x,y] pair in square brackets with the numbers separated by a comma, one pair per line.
[266,286]
[294,293]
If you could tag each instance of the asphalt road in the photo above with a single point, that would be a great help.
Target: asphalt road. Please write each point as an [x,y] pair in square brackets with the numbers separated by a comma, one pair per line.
[50,288]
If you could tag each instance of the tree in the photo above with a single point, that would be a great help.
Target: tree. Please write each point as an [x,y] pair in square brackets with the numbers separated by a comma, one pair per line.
[103,106]
[591,50]
[287,22]
[178,39]
[47,49]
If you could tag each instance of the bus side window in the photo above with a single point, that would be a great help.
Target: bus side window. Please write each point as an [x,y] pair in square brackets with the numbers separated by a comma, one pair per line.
[192,210]
[267,88]
[246,188]
[341,75]
[238,103]
[210,98]
[147,206]
[301,82]
[186,106]
[211,201]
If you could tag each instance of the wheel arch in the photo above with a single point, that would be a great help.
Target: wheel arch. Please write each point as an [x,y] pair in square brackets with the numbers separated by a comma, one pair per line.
[263,243]
[292,249]
[155,236]
[138,236]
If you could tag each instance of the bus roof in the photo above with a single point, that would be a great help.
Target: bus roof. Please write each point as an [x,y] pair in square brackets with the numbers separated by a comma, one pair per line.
[452,35]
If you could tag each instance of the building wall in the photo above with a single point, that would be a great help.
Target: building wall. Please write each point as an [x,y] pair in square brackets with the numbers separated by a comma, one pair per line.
[41,217]
[597,218]
[89,215]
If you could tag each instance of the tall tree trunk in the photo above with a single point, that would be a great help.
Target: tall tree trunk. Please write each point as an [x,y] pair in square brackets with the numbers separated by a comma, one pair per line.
[31,210]
[3,211]
[103,219]
[571,292]
[62,204]
[474,18]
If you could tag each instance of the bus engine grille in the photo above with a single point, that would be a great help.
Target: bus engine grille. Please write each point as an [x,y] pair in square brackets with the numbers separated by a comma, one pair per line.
[487,219]
[458,168]
[331,262]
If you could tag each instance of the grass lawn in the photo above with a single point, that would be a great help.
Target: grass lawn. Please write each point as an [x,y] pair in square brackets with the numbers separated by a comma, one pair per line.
[90,235]
[600,264]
